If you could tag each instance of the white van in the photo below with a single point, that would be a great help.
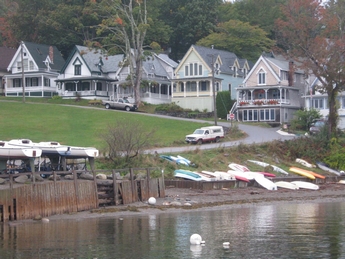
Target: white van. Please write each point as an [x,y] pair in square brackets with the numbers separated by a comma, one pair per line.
[206,134]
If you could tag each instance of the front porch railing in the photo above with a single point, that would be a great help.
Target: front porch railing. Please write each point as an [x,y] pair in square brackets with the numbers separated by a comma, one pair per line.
[260,102]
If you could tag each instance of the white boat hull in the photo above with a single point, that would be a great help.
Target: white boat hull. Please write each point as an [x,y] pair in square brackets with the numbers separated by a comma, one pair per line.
[306,185]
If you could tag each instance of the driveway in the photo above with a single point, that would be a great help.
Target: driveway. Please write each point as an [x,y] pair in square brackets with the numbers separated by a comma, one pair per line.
[256,134]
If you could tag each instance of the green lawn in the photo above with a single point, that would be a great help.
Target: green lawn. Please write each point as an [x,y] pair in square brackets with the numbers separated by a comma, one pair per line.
[81,126]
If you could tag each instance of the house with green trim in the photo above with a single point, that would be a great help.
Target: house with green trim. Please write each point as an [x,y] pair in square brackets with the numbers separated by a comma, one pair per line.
[33,71]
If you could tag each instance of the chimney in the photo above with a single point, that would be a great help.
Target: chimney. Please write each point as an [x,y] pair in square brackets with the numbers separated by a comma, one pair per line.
[291,73]
[51,54]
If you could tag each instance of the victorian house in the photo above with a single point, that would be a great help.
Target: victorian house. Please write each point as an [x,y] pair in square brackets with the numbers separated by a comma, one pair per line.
[202,73]
[37,65]
[272,91]
[93,74]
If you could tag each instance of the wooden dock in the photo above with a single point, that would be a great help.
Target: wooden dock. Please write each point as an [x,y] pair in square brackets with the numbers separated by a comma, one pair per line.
[34,198]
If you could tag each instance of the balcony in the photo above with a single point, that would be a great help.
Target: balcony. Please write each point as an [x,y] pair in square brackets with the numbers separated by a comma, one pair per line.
[263,102]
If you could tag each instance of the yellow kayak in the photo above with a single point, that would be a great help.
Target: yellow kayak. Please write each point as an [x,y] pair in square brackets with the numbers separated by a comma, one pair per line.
[302,172]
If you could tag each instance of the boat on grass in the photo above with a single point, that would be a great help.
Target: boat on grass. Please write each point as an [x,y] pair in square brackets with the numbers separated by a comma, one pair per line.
[306,185]
[188,175]
[266,183]
[324,167]
[275,168]
[241,176]
[286,185]
[303,171]
[237,167]
[220,176]
[304,163]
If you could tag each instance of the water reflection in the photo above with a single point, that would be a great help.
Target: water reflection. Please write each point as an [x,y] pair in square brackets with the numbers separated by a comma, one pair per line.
[271,231]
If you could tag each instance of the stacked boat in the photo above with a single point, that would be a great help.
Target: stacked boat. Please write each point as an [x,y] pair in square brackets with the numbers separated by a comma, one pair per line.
[26,150]
[55,149]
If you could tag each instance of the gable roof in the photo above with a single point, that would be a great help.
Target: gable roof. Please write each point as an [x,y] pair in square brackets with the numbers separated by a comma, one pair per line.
[153,66]
[226,59]
[167,60]
[96,60]
[40,52]
[6,55]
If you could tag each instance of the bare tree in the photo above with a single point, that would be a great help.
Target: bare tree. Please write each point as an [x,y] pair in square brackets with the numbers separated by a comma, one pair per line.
[127,23]
[125,140]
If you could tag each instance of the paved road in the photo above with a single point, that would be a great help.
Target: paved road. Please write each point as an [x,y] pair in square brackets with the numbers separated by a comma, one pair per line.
[255,134]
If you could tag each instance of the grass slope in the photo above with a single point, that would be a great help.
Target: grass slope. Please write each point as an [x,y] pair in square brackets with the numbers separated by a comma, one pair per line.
[81,126]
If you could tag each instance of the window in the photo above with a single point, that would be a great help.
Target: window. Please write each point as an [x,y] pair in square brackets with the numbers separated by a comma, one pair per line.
[191,87]
[31,81]
[99,86]
[318,103]
[17,82]
[31,64]
[284,75]
[46,81]
[193,69]
[26,64]
[85,86]
[235,71]
[203,86]
[230,88]
[250,115]
[267,115]
[343,102]
[77,70]
[262,77]
[19,65]
[217,87]
[217,69]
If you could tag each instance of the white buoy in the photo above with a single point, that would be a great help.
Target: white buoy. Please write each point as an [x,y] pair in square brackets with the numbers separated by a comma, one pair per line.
[152,201]
[195,239]
[226,245]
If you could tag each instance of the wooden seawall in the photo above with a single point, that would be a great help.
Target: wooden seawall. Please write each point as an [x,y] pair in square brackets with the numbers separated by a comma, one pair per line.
[50,197]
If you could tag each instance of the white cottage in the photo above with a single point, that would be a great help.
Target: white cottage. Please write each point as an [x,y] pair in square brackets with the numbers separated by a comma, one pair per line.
[37,65]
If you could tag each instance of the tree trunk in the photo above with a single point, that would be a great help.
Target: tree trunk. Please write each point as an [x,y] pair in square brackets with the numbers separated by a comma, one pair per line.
[333,113]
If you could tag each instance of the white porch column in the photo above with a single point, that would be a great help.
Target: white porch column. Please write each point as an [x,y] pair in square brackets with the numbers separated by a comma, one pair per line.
[42,85]
[159,90]
[251,95]
[197,88]
[184,89]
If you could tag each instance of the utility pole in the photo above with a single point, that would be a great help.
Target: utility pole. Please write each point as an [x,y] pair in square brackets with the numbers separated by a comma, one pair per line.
[23,77]
[214,93]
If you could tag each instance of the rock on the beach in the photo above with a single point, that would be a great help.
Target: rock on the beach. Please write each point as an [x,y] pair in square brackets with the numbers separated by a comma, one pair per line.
[176,203]
[187,204]
[45,220]
[2,180]
[86,176]
[101,176]
[21,179]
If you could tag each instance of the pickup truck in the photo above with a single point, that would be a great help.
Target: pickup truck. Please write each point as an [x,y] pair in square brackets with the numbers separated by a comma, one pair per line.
[206,134]
[121,103]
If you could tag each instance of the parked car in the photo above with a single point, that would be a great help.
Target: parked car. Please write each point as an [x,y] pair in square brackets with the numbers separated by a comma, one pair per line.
[206,134]
[121,103]
[317,126]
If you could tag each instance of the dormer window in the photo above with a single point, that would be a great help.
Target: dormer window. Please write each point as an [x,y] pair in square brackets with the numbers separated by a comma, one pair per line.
[262,77]
[217,69]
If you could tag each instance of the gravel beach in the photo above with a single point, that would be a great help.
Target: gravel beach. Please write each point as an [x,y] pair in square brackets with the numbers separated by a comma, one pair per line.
[180,200]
